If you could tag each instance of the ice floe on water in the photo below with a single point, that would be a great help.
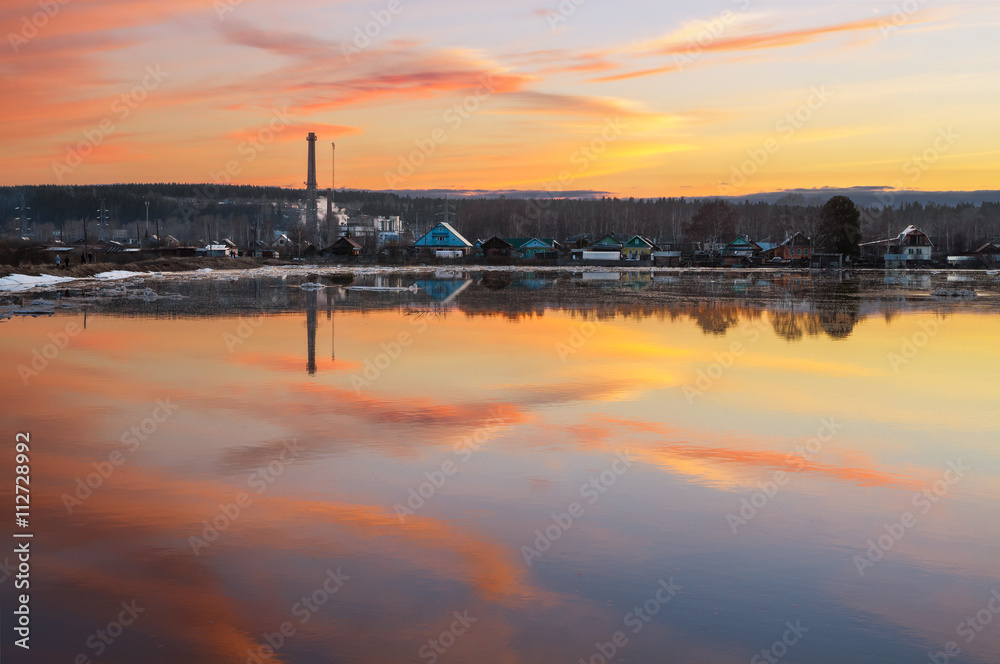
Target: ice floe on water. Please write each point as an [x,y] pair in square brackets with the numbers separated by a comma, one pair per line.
[37,307]
[21,282]
[114,275]
[309,285]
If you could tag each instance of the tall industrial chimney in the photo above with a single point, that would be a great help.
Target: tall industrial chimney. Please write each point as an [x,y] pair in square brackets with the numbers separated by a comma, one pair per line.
[311,218]
[333,186]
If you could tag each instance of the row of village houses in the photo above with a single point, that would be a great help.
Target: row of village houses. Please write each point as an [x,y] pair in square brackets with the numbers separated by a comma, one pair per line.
[911,248]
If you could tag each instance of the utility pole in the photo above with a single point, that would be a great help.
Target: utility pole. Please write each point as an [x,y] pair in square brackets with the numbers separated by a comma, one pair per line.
[86,244]
[101,221]
[147,217]
[23,215]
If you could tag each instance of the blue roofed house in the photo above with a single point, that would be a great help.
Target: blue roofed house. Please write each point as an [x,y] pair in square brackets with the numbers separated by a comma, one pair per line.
[443,242]
[539,248]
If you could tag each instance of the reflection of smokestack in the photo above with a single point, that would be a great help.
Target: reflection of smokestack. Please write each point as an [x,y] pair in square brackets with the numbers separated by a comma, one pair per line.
[311,332]
[311,220]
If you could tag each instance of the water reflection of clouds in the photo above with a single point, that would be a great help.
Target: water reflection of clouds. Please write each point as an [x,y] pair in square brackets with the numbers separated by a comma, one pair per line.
[129,539]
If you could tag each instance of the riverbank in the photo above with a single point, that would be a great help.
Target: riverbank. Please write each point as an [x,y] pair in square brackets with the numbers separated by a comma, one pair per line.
[82,271]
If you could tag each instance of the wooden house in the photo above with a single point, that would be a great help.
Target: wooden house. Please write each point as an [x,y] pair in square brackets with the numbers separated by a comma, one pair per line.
[344,247]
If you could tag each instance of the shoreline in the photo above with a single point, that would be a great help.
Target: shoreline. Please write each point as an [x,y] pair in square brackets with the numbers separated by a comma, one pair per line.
[234,268]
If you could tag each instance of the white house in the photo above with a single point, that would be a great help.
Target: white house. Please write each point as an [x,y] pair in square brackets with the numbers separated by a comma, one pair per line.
[910,248]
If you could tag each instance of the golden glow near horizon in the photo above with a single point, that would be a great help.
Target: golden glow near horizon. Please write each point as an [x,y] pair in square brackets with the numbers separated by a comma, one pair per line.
[640,99]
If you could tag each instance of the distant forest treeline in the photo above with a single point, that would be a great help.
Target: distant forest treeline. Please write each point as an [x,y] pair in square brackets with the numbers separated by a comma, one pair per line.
[196,213]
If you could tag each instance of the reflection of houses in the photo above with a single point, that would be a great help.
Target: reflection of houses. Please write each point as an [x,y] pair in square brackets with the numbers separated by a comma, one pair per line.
[444,242]
[443,291]
[910,248]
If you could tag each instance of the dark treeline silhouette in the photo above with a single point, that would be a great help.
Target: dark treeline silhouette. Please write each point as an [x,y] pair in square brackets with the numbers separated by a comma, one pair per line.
[201,212]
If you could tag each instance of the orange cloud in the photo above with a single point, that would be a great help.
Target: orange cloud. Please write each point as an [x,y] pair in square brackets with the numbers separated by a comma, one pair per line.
[749,42]
[599,429]
[780,39]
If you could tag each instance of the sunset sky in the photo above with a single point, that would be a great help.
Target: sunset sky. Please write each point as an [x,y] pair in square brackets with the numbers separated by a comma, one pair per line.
[636,98]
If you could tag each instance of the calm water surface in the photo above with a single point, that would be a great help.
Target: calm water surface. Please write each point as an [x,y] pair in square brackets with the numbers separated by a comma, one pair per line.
[504,468]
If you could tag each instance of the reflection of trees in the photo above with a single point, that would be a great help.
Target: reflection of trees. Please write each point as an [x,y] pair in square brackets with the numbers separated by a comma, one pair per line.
[793,326]
[839,315]
[819,305]
[715,318]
